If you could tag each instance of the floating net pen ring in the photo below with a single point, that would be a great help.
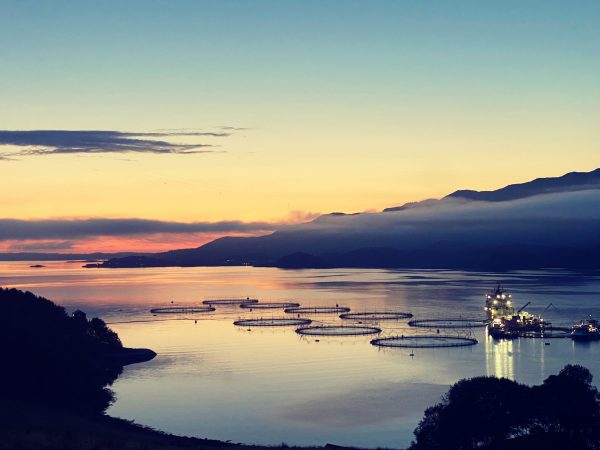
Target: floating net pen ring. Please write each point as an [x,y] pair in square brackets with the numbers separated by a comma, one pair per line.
[447,323]
[317,310]
[269,305]
[273,322]
[229,301]
[182,309]
[337,331]
[377,315]
[548,333]
[424,341]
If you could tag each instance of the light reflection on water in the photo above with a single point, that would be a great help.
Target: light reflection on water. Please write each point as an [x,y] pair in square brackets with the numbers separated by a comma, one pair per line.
[215,380]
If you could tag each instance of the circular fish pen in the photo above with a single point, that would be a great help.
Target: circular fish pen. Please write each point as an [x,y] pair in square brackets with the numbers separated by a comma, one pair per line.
[272,322]
[424,341]
[317,310]
[182,310]
[229,301]
[377,315]
[447,323]
[337,331]
[548,333]
[269,305]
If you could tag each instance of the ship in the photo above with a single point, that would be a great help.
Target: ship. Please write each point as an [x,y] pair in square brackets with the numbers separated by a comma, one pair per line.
[586,330]
[499,330]
[504,322]
[498,303]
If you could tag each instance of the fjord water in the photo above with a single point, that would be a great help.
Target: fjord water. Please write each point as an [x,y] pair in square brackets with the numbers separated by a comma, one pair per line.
[213,379]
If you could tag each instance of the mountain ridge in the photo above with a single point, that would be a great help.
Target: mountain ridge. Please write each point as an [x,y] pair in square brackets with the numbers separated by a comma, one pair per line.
[571,181]
[547,221]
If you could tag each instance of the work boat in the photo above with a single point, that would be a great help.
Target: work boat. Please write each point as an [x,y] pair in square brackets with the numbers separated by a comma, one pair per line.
[498,303]
[498,329]
[504,321]
[586,330]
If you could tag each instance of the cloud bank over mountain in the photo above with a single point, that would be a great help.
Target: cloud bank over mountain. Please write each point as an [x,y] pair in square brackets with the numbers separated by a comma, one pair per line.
[556,229]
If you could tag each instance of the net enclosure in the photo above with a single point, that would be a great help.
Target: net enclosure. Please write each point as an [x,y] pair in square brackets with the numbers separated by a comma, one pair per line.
[377,315]
[272,322]
[447,323]
[182,310]
[317,310]
[424,341]
[229,301]
[269,305]
[337,331]
[549,332]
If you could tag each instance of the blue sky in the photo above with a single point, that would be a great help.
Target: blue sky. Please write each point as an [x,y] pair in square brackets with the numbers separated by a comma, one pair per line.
[248,56]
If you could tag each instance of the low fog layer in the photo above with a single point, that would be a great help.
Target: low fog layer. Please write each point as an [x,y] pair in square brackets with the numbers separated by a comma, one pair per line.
[571,218]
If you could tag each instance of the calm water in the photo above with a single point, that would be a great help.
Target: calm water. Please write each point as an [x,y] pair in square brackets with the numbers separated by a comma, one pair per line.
[212,379]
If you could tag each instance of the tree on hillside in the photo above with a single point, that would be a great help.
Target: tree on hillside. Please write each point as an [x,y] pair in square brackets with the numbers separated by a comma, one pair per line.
[475,412]
[497,413]
[569,404]
[53,358]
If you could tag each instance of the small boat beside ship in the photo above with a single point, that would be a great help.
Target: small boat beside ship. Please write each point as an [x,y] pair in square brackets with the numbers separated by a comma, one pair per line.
[586,330]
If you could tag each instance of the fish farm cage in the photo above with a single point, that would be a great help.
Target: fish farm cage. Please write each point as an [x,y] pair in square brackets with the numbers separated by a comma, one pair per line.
[447,323]
[337,331]
[377,315]
[269,305]
[182,310]
[317,310]
[272,322]
[424,341]
[548,333]
[229,301]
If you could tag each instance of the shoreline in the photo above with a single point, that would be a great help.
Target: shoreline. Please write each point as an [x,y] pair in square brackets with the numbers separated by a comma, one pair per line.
[34,427]
[127,356]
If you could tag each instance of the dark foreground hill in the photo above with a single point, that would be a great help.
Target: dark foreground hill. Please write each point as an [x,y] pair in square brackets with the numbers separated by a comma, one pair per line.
[50,357]
[548,222]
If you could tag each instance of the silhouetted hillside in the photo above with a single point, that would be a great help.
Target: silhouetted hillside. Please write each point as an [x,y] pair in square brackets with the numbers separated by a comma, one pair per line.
[573,181]
[55,359]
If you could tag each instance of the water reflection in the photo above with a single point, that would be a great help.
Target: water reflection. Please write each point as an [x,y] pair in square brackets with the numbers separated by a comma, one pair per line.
[499,357]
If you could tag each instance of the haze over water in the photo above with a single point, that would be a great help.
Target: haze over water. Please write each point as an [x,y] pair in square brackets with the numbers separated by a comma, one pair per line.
[213,379]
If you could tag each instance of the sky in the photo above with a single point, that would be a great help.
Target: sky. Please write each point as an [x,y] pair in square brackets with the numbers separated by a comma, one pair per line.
[204,118]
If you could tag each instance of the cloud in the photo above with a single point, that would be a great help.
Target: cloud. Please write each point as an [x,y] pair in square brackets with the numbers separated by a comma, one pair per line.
[50,142]
[298,216]
[226,128]
[570,218]
[37,246]
[16,229]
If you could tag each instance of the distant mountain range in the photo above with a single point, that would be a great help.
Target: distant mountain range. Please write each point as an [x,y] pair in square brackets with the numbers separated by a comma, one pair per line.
[547,222]
[574,181]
